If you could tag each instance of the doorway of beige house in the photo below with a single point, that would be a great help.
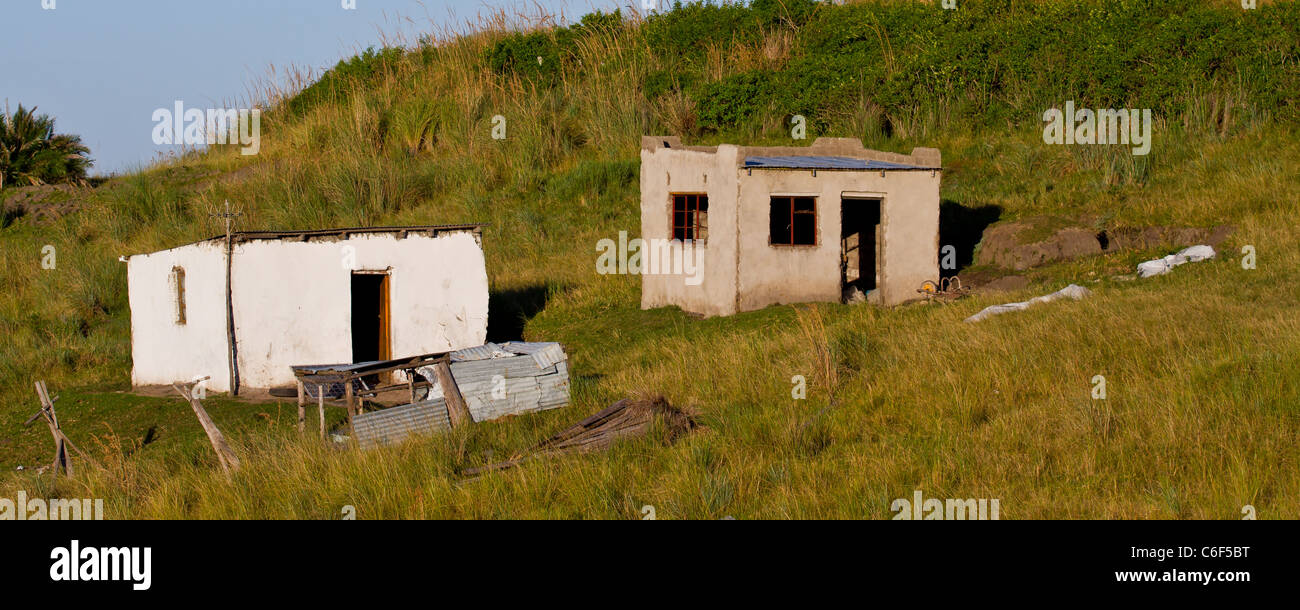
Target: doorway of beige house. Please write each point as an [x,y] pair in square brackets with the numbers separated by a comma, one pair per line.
[859,247]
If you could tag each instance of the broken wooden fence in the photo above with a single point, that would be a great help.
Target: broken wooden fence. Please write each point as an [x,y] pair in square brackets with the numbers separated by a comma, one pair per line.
[346,379]
[61,441]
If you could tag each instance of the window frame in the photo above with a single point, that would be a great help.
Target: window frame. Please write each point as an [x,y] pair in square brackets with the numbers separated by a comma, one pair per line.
[694,224]
[816,229]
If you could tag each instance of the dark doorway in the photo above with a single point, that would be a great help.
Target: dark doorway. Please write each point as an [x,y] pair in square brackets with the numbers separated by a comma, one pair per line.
[371,329]
[859,245]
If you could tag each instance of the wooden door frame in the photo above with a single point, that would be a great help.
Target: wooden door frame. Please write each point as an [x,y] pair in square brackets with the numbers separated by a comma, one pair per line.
[385,347]
[878,257]
[386,318]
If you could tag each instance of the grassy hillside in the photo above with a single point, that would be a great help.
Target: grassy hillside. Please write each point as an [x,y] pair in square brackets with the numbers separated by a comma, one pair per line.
[1203,407]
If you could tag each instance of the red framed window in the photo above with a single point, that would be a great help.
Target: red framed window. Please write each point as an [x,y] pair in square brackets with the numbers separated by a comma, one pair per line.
[794,221]
[690,217]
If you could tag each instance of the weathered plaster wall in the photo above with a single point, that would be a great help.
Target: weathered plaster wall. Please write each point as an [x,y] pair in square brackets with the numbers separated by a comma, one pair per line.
[911,234]
[797,274]
[163,352]
[667,171]
[743,271]
[293,299]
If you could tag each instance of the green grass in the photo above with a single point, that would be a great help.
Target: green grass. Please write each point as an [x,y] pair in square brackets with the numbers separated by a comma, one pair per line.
[1202,413]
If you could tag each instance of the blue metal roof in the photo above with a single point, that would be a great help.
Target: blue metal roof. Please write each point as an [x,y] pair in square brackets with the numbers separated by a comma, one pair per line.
[811,162]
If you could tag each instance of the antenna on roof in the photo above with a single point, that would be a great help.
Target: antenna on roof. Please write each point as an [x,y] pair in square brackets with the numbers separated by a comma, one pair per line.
[229,218]
[233,363]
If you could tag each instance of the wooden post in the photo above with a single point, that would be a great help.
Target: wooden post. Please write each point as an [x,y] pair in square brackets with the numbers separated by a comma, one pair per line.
[320,404]
[61,459]
[457,411]
[225,455]
[347,388]
[302,408]
[232,352]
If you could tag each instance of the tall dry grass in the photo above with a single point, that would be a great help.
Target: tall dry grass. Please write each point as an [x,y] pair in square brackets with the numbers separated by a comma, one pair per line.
[1201,417]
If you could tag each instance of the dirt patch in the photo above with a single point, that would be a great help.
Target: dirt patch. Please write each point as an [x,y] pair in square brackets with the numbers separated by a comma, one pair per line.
[1005,283]
[41,204]
[1022,244]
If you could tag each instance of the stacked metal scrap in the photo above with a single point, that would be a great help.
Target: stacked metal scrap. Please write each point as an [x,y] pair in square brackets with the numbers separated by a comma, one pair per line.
[507,379]
[495,380]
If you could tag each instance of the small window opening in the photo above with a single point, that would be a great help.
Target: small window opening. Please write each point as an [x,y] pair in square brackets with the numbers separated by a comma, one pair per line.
[178,289]
[691,218]
[794,221]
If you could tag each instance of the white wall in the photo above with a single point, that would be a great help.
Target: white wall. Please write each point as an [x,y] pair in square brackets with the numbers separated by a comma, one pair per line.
[163,352]
[293,299]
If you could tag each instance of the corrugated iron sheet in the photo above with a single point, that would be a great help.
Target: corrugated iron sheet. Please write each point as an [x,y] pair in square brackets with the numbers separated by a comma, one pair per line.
[398,423]
[496,381]
[546,354]
[483,352]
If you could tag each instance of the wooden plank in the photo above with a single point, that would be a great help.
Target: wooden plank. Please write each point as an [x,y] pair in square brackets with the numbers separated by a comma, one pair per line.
[347,384]
[457,410]
[320,405]
[348,392]
[225,455]
[302,408]
[389,388]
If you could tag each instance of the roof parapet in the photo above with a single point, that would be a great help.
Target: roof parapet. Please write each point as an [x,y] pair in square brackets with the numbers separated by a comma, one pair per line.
[822,146]
[401,232]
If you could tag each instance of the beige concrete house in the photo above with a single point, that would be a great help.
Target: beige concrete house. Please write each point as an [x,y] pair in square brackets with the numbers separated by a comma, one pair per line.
[759,226]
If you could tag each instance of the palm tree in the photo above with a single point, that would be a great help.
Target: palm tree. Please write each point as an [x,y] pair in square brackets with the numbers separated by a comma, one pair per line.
[31,153]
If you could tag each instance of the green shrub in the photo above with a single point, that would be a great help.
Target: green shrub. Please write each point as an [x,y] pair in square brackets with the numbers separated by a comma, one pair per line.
[993,62]
[542,55]
[686,30]
[350,75]
[735,100]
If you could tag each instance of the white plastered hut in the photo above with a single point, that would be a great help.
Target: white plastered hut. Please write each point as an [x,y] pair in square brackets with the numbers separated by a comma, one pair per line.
[243,311]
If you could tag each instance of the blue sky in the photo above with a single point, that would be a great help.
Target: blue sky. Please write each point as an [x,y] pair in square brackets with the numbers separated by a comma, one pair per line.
[101,67]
